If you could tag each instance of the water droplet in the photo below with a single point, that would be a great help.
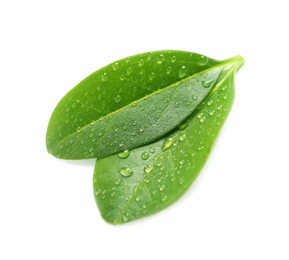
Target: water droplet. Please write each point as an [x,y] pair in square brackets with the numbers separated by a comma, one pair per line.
[173,59]
[195,97]
[117,182]
[124,154]
[207,83]
[115,66]
[142,128]
[125,172]
[125,217]
[141,62]
[168,143]
[137,198]
[169,70]
[148,168]
[129,71]
[160,59]
[152,149]
[182,162]
[200,115]
[122,77]
[97,191]
[183,137]
[212,112]
[203,60]
[162,187]
[117,98]
[164,198]
[202,120]
[104,77]
[152,76]
[210,102]
[224,88]
[219,107]
[145,156]
[183,71]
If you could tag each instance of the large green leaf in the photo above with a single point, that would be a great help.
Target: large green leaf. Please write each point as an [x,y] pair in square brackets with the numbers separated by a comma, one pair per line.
[142,181]
[130,103]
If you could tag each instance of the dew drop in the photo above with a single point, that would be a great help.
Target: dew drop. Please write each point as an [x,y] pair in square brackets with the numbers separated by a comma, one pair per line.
[173,59]
[125,217]
[137,198]
[129,71]
[203,60]
[145,156]
[224,88]
[203,119]
[164,198]
[169,70]
[160,59]
[219,107]
[97,191]
[200,115]
[207,83]
[183,71]
[152,76]
[124,154]
[104,77]
[117,182]
[183,137]
[212,112]
[125,172]
[210,102]
[152,149]
[195,97]
[141,62]
[142,128]
[122,77]
[162,187]
[115,66]
[177,104]
[148,168]
[117,98]
[168,143]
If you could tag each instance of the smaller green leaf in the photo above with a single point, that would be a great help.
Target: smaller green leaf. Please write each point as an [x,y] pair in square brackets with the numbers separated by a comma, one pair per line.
[142,181]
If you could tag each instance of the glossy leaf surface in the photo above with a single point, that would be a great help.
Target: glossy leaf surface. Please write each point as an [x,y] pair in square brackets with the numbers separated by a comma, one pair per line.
[145,180]
[130,103]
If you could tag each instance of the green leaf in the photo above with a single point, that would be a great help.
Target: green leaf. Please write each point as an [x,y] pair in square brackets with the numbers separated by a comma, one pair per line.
[130,103]
[147,179]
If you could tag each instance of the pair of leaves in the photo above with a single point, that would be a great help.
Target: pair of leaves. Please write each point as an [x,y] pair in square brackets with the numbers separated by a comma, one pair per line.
[151,120]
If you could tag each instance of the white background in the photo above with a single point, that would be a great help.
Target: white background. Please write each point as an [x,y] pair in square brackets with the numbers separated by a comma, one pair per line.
[239,206]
